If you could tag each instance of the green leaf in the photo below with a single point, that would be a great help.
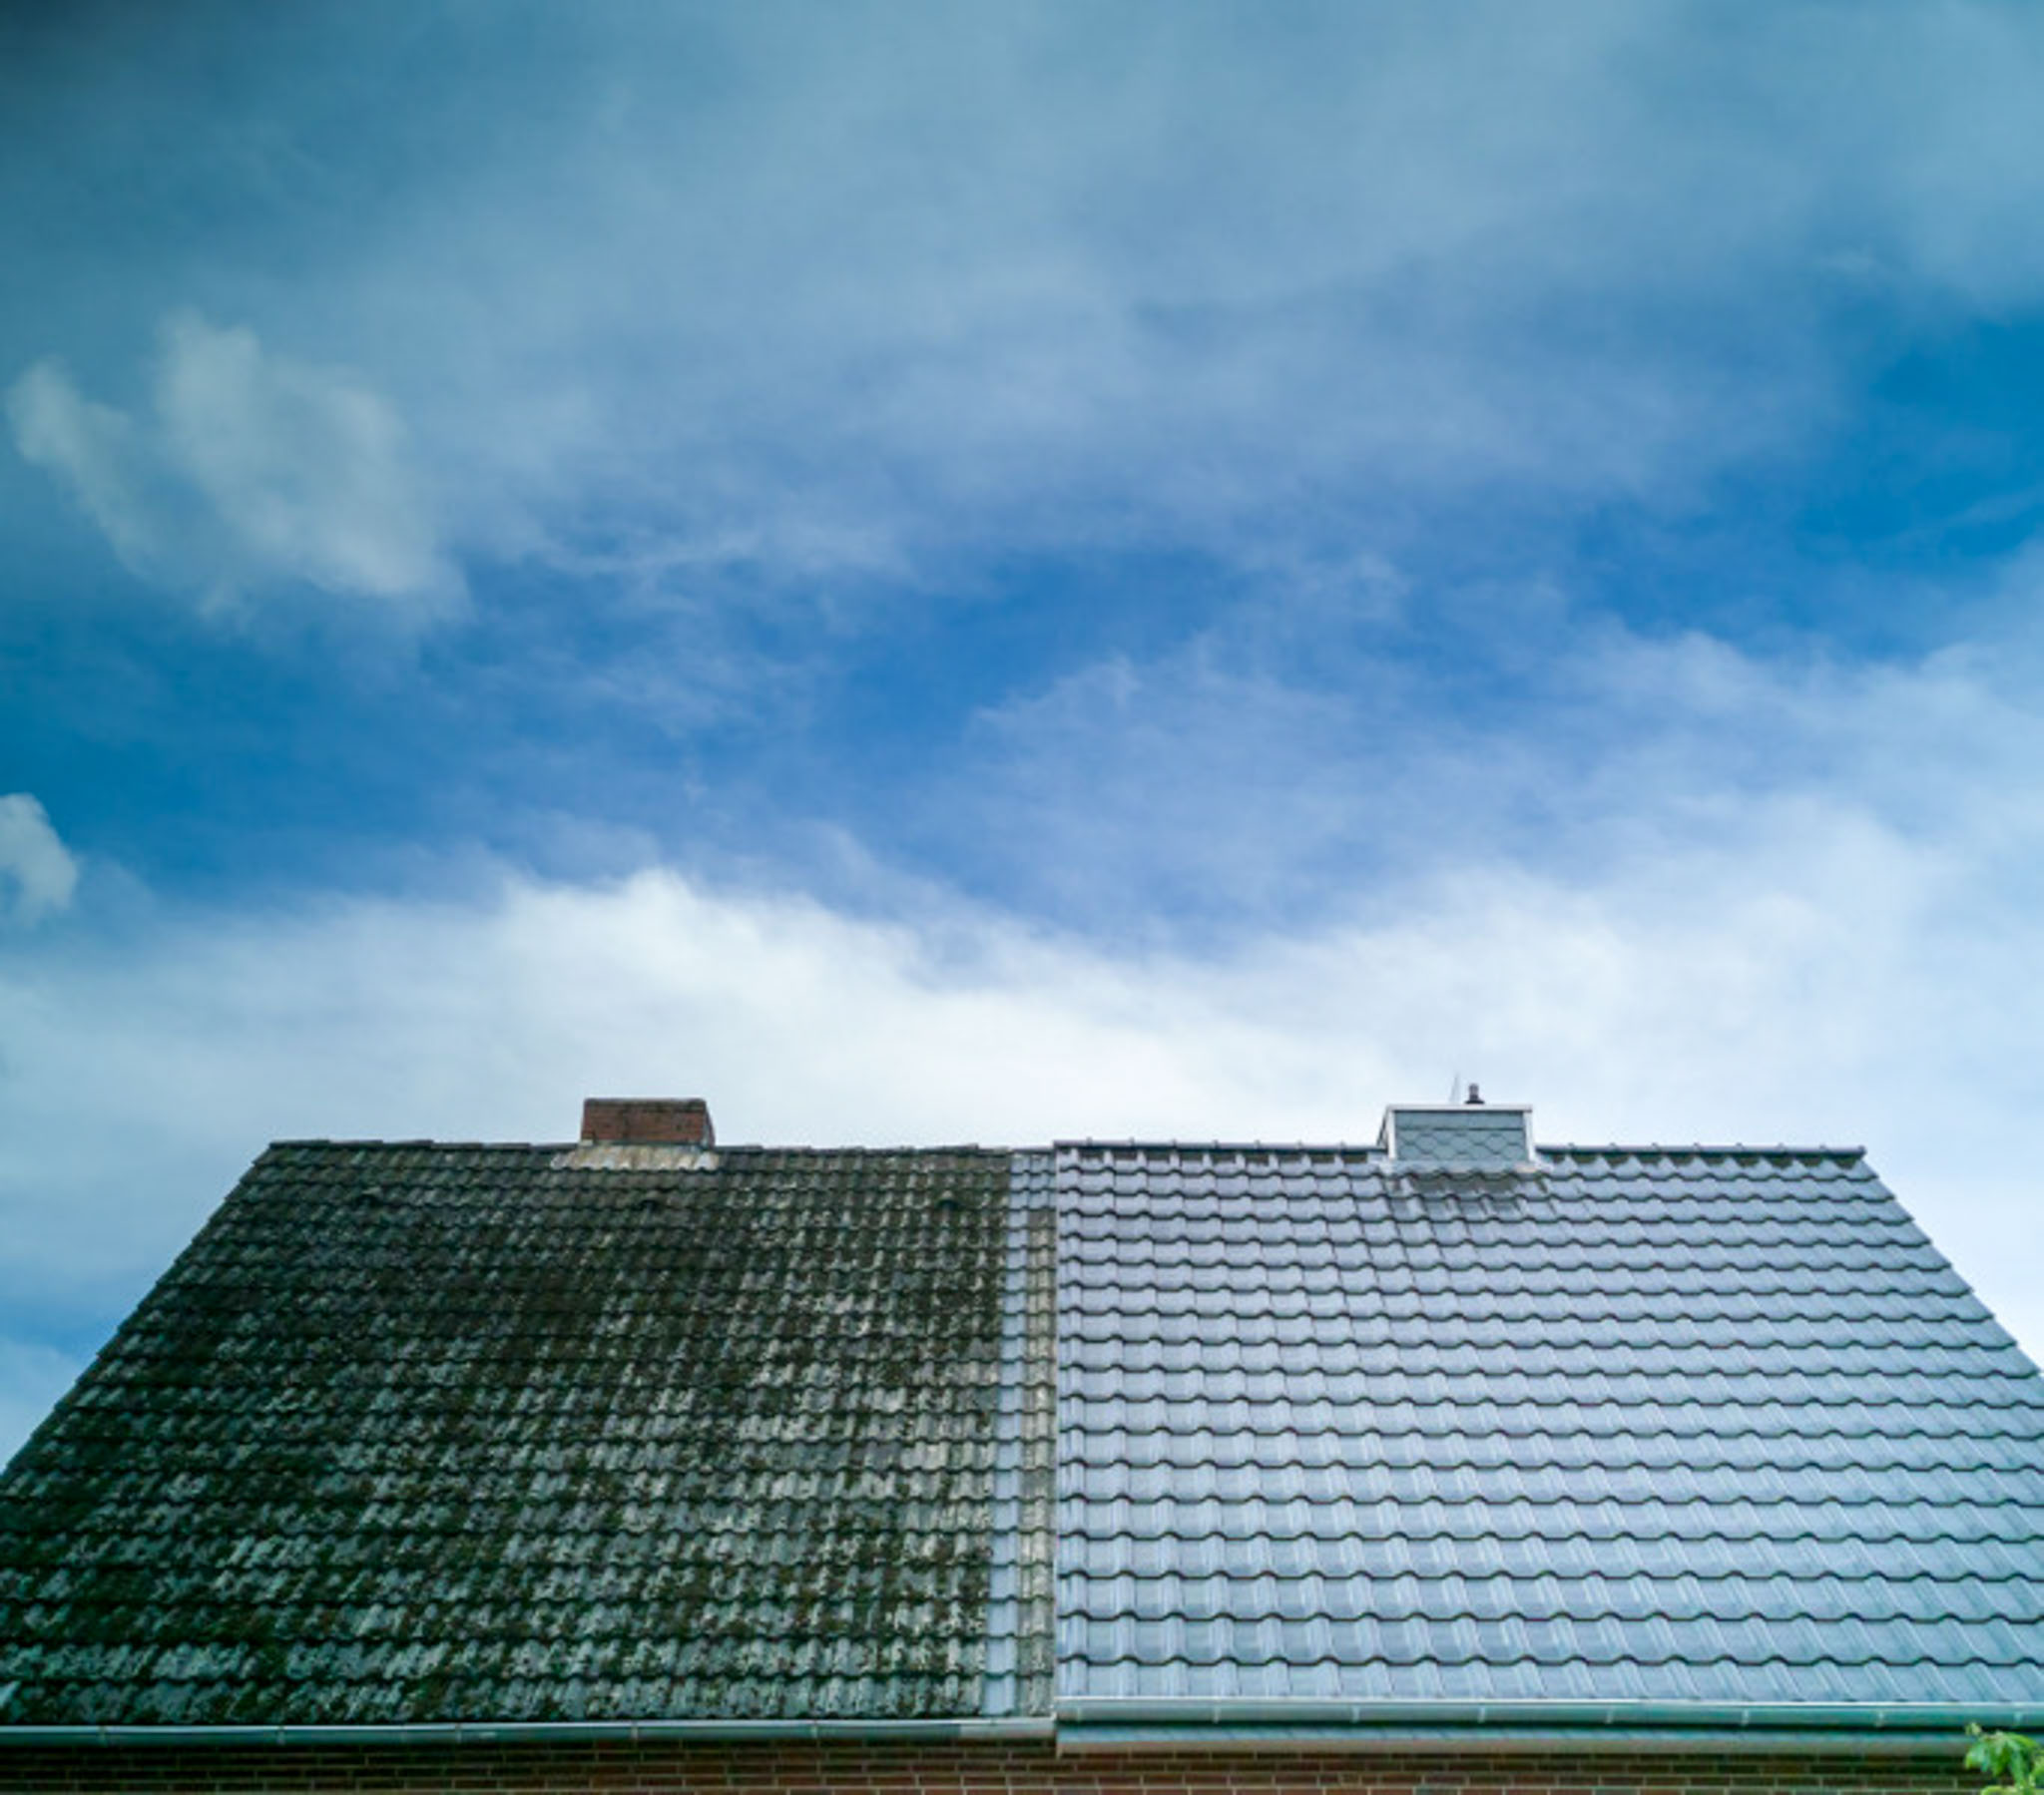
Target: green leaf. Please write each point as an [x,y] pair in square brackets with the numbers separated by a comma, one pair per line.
[2018,1762]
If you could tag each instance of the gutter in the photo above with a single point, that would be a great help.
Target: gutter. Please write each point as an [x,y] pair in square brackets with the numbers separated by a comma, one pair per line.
[1125,1723]
[538,1732]
[1449,1741]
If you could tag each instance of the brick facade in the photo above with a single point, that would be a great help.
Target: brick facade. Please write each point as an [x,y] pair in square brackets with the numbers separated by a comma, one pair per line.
[662,1768]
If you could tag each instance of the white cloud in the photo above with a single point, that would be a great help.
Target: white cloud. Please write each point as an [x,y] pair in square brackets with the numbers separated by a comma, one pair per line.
[254,472]
[1061,278]
[95,450]
[1065,277]
[1286,759]
[1811,970]
[33,860]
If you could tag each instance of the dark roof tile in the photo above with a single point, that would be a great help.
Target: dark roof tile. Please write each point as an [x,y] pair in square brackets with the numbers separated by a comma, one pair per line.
[422,1432]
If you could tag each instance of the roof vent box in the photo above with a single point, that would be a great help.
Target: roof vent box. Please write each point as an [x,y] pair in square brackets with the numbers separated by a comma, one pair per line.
[1471,1137]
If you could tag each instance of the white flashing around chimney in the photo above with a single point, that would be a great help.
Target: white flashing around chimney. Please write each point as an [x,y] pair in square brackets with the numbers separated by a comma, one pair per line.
[615,1156]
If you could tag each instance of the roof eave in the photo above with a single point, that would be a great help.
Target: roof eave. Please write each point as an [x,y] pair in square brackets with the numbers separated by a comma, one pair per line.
[1630,1726]
[1667,1741]
[529,1732]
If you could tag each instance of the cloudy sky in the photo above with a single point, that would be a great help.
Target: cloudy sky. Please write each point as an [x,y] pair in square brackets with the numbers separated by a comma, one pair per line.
[931,574]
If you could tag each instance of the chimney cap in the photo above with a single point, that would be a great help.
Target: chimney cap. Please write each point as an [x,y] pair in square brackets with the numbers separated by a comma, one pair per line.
[646,1120]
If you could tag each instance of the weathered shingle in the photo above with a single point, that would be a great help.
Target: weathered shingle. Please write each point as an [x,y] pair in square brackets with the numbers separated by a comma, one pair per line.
[1695,1428]
[417,1433]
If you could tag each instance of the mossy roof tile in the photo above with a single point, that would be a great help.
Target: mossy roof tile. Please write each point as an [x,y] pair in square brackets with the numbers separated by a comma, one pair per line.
[417,1433]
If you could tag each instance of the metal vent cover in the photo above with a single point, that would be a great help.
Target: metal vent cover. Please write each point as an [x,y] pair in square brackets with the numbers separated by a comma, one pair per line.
[1459,1137]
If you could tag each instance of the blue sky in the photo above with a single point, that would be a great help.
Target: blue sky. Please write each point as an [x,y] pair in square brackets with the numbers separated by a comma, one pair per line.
[930,573]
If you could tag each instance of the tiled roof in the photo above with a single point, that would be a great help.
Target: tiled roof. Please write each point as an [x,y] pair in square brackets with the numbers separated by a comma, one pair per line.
[1692,1428]
[421,1433]
[647,1433]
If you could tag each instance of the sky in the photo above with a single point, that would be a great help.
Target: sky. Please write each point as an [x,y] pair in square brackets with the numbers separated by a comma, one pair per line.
[932,573]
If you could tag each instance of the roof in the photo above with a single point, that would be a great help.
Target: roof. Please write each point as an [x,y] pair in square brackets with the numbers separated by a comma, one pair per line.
[434,1433]
[1714,1430]
[1457,1433]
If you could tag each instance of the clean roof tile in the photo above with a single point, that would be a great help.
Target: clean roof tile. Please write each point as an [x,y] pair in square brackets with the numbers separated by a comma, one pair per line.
[1709,1427]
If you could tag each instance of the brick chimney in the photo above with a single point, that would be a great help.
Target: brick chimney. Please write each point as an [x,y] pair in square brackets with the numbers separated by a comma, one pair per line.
[646,1121]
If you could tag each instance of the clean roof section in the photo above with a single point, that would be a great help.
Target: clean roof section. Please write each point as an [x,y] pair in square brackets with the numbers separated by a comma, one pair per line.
[1692,1432]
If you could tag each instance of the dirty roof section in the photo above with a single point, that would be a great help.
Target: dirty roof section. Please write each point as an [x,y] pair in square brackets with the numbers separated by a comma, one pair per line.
[1683,1428]
[418,1433]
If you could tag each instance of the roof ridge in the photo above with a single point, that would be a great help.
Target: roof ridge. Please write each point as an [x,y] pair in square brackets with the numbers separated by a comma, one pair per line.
[722,1148]
[1702,1150]
[1073,1143]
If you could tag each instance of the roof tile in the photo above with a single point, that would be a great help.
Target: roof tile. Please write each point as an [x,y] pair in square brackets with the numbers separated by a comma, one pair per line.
[415,1432]
[1700,1426]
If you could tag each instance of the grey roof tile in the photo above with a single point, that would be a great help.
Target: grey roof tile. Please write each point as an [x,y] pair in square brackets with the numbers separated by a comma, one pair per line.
[1665,1426]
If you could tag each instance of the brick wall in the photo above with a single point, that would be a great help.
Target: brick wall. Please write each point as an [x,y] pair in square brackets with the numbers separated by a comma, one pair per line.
[657,1769]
